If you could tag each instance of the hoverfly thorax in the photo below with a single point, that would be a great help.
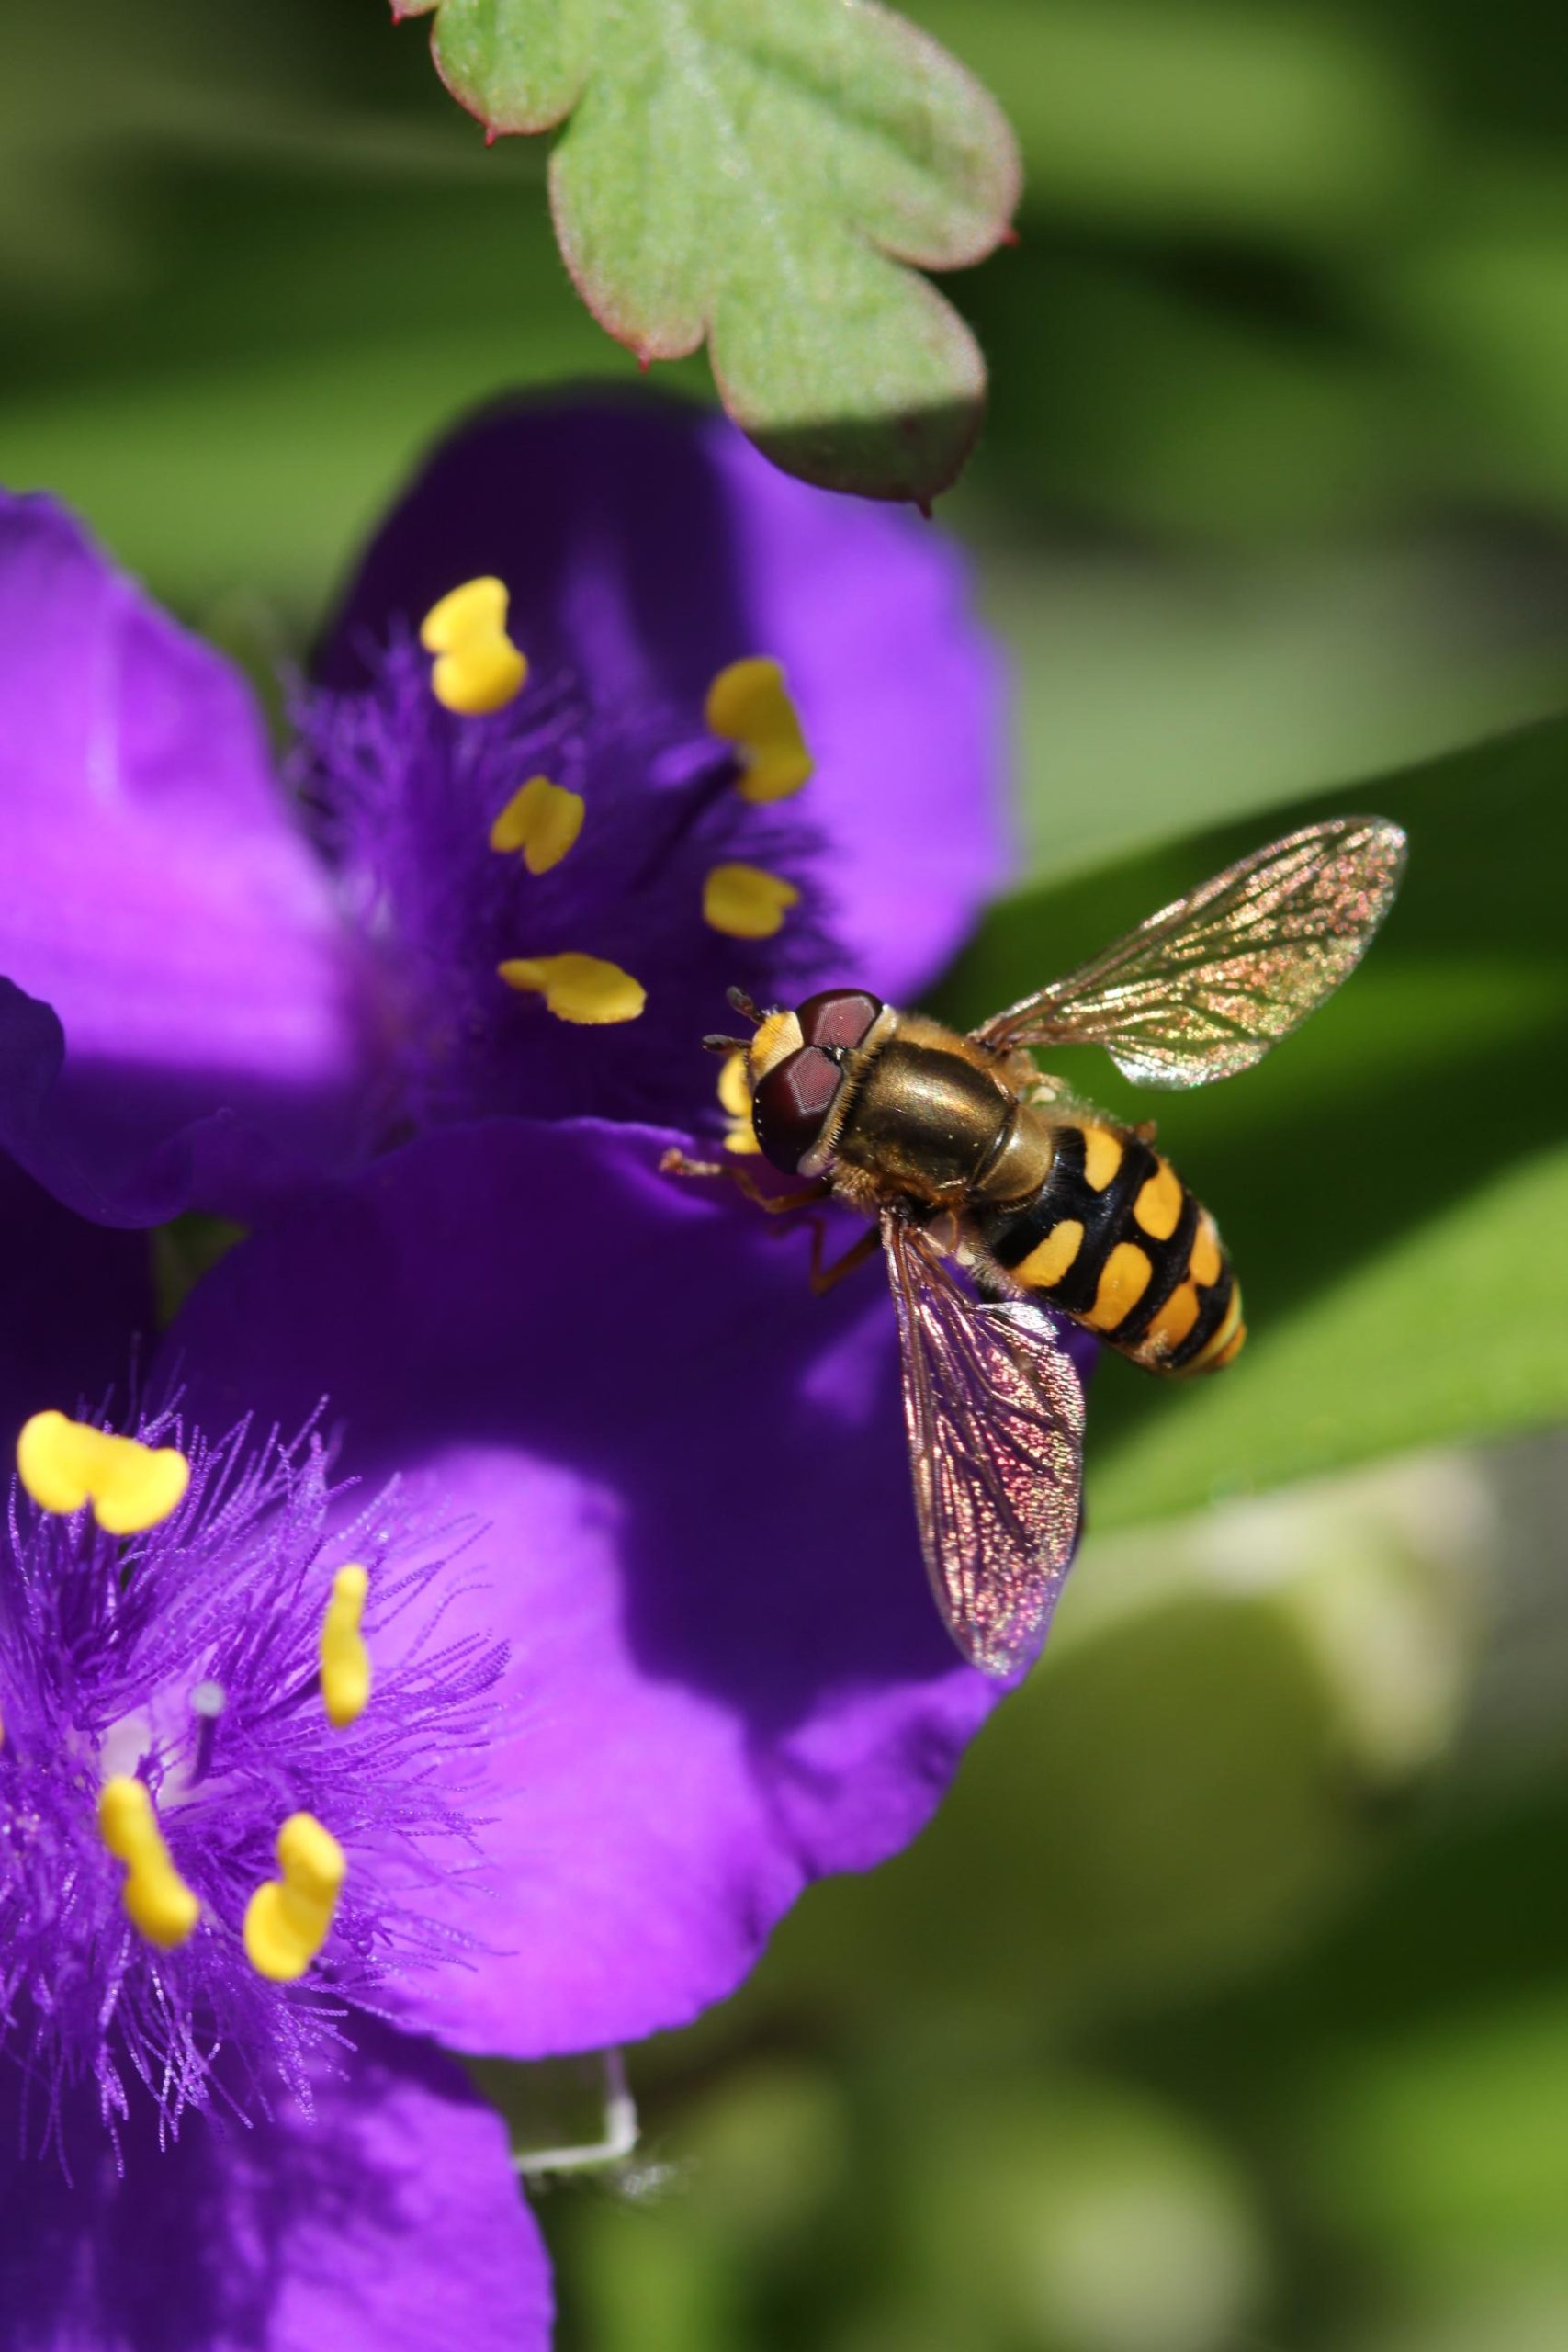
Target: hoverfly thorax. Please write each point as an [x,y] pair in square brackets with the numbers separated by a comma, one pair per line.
[910,1108]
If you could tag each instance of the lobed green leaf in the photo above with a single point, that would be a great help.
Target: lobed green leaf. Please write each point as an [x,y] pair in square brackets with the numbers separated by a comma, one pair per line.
[770,180]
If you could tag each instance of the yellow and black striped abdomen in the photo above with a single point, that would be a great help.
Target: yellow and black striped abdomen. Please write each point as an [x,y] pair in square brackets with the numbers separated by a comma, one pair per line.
[1114,1237]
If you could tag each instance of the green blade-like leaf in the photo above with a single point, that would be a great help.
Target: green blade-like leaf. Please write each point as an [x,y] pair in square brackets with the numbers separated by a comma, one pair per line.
[770,179]
[1393,1181]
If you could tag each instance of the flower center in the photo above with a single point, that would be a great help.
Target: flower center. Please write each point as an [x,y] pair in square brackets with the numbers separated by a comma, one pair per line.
[201,1801]
[479,671]
[560,889]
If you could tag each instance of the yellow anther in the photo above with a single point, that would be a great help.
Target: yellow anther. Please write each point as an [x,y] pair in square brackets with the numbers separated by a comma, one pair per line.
[131,1487]
[735,1096]
[749,706]
[287,1919]
[542,819]
[477,668]
[345,1661]
[747,901]
[157,1903]
[577,988]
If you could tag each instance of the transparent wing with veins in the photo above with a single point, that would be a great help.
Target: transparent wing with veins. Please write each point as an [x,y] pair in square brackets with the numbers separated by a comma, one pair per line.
[995,1415]
[1207,985]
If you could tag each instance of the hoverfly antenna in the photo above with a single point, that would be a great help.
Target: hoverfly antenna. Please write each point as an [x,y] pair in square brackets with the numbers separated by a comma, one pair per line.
[739,1001]
[714,1043]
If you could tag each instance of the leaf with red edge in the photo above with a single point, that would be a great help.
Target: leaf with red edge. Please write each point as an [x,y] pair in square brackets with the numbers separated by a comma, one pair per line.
[770,178]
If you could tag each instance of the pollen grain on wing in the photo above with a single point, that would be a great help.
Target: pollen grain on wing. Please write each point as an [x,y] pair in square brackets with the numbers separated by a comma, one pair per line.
[288,1918]
[749,706]
[157,1903]
[583,990]
[65,1465]
[476,669]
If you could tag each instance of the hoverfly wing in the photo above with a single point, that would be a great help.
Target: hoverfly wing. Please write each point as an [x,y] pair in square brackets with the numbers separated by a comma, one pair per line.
[1207,985]
[995,1414]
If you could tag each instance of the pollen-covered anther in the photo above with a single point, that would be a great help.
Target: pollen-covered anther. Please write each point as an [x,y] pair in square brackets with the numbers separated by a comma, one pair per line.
[734,1099]
[749,705]
[747,901]
[478,668]
[581,988]
[345,1661]
[157,1903]
[542,819]
[131,1487]
[288,1918]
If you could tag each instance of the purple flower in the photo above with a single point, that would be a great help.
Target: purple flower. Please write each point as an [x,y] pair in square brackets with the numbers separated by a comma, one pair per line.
[358,1018]
[212,988]
[222,1858]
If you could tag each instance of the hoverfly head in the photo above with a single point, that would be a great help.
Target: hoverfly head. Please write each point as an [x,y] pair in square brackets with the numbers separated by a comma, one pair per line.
[795,1065]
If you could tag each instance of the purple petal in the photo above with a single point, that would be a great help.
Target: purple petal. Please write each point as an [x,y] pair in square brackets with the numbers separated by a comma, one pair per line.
[391,2223]
[172,941]
[646,545]
[73,1301]
[728,1676]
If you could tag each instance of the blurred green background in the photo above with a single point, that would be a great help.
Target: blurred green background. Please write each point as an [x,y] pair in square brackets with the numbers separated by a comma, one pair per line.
[1227,2004]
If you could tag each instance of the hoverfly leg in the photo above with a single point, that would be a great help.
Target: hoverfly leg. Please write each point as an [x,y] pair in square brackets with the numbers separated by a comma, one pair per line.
[827,1278]
[676,1163]
[807,1196]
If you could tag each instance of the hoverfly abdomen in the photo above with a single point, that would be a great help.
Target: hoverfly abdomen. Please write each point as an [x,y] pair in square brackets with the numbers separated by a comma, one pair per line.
[1114,1237]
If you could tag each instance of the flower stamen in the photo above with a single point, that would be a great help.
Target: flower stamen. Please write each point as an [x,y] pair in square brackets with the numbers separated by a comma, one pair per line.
[581,988]
[287,1919]
[747,901]
[131,1487]
[345,1661]
[749,705]
[157,1903]
[478,668]
[542,819]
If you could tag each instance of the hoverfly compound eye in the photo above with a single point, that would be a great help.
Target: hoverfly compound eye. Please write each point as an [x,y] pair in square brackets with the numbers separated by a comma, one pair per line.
[838,1017]
[792,1104]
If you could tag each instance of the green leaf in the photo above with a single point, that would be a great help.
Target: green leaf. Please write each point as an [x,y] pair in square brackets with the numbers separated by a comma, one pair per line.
[762,178]
[1393,1181]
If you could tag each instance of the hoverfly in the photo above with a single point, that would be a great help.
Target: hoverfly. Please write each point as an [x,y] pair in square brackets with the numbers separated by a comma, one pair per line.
[967,1158]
